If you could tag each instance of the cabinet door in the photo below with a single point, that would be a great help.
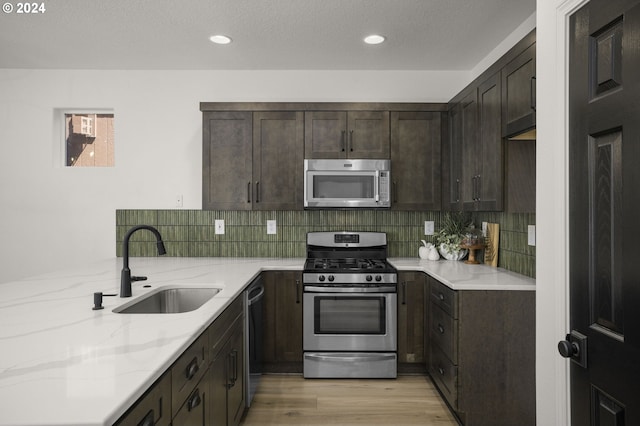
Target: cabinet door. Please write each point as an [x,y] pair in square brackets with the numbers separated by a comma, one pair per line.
[282,321]
[368,134]
[490,178]
[519,93]
[235,375]
[227,162]
[470,160]
[227,384]
[278,139]
[452,161]
[411,317]
[341,134]
[325,134]
[415,160]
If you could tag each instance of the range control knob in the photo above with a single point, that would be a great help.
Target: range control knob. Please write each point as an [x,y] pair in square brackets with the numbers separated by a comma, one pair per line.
[378,278]
[368,278]
[321,278]
[331,278]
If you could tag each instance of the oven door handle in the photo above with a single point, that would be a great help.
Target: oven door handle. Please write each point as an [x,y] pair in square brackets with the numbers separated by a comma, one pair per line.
[326,289]
[353,358]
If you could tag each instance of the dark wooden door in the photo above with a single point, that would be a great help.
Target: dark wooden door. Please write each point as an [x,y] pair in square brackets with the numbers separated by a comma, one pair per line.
[227,160]
[470,158]
[282,322]
[368,134]
[604,149]
[451,161]
[411,319]
[278,139]
[519,93]
[415,160]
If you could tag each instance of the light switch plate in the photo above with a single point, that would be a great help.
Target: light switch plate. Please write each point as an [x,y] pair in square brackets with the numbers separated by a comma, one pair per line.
[271,227]
[531,238]
[428,227]
[219,225]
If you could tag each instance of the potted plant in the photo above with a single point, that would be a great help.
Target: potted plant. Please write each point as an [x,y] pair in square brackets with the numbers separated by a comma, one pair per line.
[449,237]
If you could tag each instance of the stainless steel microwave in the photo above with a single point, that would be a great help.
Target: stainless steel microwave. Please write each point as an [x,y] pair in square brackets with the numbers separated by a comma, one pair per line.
[347,183]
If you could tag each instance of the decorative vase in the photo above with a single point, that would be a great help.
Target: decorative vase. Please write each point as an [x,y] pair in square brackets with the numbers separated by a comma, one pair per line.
[459,255]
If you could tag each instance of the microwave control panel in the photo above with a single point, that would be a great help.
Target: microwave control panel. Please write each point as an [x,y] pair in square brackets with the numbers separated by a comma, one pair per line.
[385,185]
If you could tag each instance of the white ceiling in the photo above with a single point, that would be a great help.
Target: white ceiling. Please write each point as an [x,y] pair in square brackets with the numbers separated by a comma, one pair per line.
[267,34]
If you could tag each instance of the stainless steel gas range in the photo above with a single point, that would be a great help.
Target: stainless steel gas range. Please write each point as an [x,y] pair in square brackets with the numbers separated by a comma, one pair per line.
[349,306]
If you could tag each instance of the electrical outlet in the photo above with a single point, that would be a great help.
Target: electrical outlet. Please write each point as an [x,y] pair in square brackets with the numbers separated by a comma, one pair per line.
[271,227]
[179,200]
[219,224]
[428,227]
[531,235]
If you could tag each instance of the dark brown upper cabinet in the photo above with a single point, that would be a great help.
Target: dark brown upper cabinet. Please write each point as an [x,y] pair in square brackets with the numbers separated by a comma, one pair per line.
[227,161]
[346,134]
[252,160]
[519,93]
[415,160]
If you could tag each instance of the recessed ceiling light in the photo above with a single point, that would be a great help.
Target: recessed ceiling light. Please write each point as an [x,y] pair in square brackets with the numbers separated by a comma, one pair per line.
[220,39]
[374,39]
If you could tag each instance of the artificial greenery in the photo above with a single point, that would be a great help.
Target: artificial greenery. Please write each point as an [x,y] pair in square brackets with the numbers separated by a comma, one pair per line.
[454,227]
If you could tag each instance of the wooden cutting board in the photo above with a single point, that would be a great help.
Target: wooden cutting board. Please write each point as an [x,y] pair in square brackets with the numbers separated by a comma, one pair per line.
[493,242]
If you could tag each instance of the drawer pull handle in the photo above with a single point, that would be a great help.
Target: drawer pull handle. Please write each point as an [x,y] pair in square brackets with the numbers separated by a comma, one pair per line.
[441,371]
[192,369]
[441,297]
[194,401]
[440,328]
[148,419]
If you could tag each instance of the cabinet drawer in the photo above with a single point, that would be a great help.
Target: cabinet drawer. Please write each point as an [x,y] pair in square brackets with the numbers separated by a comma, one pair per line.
[445,375]
[444,332]
[444,297]
[222,325]
[188,370]
[193,411]
[154,407]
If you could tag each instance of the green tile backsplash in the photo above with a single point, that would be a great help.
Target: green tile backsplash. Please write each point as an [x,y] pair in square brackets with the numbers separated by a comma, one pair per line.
[190,233]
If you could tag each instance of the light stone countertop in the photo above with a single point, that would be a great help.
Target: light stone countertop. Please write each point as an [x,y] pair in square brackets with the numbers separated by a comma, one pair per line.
[63,363]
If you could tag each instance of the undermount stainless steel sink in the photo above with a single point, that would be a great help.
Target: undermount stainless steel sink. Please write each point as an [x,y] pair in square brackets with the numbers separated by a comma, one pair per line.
[172,300]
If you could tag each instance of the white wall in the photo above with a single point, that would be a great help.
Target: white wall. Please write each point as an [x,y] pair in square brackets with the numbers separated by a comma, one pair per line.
[55,217]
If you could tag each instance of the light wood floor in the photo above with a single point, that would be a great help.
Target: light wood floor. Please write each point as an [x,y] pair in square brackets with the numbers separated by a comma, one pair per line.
[293,400]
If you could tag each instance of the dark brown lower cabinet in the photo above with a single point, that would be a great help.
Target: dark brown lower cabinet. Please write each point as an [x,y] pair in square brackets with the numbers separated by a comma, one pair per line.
[205,386]
[482,354]
[282,322]
[227,369]
[411,322]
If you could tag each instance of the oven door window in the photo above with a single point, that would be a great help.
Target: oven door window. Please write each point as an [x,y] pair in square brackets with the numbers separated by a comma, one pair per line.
[352,186]
[349,315]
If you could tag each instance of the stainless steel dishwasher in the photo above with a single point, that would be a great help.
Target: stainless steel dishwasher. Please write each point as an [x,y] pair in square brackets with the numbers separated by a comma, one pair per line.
[253,335]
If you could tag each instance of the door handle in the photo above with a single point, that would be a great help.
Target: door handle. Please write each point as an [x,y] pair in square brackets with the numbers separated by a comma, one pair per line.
[344,140]
[297,291]
[351,140]
[574,346]
[248,192]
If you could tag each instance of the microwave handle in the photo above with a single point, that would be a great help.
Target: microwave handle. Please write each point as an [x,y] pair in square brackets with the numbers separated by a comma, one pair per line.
[377,186]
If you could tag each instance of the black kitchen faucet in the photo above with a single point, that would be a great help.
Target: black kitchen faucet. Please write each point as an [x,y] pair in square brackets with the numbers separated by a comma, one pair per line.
[125,277]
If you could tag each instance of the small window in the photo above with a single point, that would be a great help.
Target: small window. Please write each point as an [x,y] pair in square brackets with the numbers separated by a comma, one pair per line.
[88,139]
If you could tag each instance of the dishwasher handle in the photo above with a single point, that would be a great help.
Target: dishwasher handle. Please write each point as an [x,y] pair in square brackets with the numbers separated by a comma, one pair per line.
[258,285]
